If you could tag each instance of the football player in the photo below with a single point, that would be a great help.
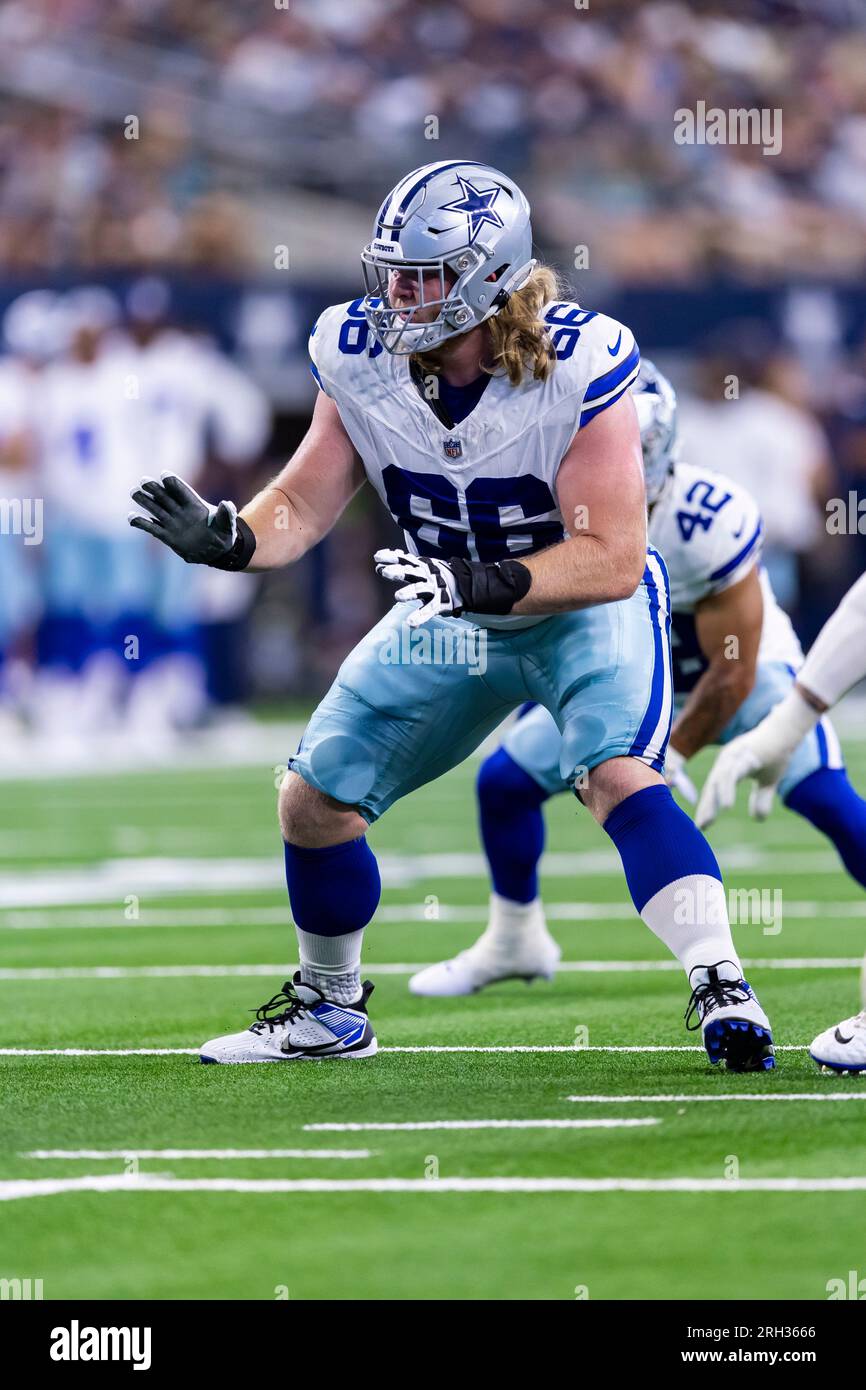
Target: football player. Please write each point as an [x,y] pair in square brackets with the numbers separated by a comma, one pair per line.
[835,663]
[494,420]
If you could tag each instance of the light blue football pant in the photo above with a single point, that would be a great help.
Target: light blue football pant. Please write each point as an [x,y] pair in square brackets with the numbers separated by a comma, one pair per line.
[410,703]
[19,588]
[533,742]
[102,576]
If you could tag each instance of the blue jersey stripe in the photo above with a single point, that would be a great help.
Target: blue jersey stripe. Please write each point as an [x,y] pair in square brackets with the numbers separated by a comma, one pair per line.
[654,704]
[612,379]
[740,556]
[587,415]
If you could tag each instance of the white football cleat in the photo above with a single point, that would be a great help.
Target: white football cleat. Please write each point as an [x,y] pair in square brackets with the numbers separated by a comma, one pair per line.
[516,945]
[842,1048]
[735,1028]
[299,1024]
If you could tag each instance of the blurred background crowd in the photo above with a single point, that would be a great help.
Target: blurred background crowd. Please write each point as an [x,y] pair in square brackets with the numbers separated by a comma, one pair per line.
[183,187]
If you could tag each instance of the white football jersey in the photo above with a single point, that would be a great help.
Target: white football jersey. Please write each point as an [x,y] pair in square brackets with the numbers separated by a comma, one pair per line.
[483,489]
[136,412]
[19,409]
[709,532]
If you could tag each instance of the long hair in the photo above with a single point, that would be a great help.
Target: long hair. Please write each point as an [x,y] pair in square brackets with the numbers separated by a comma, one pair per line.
[519,341]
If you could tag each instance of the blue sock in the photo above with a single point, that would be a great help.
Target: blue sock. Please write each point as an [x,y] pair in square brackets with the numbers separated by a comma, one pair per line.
[828,800]
[658,843]
[334,890]
[512,826]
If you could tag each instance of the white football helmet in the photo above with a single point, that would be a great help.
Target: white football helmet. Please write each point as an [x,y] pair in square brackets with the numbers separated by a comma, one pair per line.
[464,225]
[656,404]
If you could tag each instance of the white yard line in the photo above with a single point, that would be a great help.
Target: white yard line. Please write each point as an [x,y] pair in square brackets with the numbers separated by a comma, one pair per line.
[400,914]
[420,1048]
[112,880]
[589,967]
[353,1128]
[18,1188]
[682,1100]
[133,1152]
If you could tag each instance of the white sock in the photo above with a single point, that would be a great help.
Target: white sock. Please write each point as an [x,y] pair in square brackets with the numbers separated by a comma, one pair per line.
[332,964]
[509,921]
[690,916]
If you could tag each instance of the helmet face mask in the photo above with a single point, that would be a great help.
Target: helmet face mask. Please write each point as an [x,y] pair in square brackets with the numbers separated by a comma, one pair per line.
[459,236]
[437,310]
[656,404]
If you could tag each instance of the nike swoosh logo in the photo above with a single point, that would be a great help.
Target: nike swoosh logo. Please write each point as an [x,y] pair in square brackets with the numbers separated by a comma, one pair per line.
[841,1039]
[615,349]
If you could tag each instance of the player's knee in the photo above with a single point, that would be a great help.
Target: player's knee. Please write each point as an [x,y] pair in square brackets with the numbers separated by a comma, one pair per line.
[613,781]
[310,819]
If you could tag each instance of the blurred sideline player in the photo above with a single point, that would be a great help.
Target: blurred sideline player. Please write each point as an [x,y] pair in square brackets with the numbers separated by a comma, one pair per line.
[835,663]
[494,421]
[194,403]
[120,638]
[29,340]
[91,576]
[734,656]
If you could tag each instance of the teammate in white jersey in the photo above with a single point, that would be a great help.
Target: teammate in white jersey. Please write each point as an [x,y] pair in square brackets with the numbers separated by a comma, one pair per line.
[495,423]
[835,663]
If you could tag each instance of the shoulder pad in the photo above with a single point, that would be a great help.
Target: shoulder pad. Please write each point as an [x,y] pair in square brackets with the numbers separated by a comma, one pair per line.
[597,356]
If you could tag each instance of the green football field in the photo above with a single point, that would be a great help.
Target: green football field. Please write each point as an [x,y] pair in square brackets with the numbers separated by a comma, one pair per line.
[553,1141]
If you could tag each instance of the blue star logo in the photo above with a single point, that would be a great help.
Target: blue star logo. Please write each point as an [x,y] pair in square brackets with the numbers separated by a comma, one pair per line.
[478,206]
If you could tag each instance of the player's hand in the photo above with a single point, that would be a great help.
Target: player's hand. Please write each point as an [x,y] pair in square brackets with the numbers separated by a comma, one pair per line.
[431,581]
[676,776]
[198,531]
[739,759]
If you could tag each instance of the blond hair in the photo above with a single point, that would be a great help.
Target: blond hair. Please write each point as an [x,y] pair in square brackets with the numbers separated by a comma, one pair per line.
[519,341]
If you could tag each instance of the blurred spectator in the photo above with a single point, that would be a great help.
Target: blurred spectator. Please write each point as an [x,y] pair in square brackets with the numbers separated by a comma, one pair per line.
[239,105]
[751,421]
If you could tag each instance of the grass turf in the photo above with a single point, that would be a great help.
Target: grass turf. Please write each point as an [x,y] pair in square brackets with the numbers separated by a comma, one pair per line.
[433,1244]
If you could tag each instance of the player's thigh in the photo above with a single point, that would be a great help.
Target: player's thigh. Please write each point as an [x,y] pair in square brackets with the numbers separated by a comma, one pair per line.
[534,742]
[607,671]
[820,747]
[407,705]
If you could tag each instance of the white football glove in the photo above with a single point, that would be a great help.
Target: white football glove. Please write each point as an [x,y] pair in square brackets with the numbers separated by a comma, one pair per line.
[763,753]
[738,759]
[676,776]
[430,581]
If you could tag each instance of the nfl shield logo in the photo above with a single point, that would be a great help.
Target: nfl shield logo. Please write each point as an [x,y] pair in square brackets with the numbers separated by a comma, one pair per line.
[453,448]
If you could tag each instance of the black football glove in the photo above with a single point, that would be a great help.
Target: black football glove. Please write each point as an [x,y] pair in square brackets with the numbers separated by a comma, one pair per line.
[196,530]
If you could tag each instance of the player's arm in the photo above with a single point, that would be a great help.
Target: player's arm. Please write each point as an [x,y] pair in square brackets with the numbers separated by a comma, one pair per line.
[304,501]
[600,487]
[601,497]
[728,627]
[280,524]
[836,661]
